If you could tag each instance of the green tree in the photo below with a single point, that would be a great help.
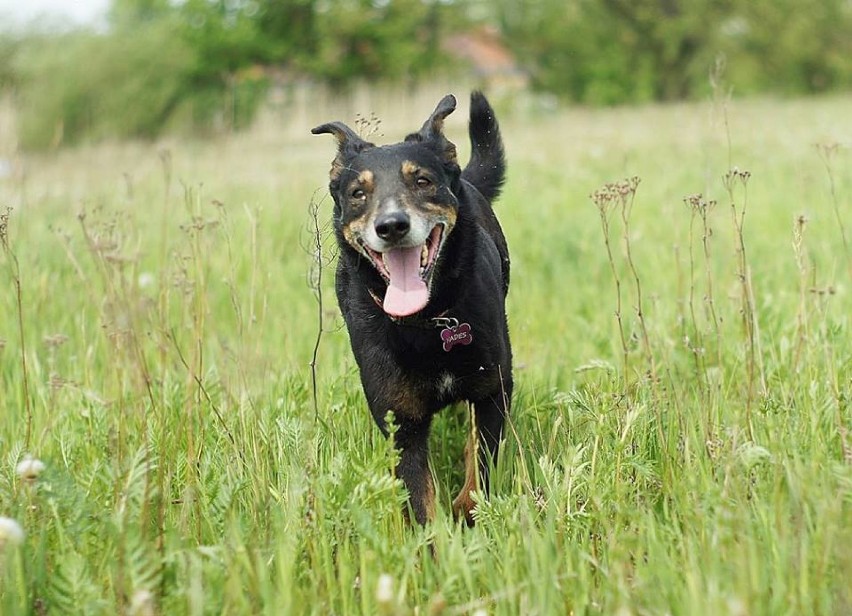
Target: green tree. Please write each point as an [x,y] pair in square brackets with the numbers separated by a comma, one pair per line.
[606,51]
[289,29]
[613,51]
[83,86]
[798,45]
[123,12]
[389,39]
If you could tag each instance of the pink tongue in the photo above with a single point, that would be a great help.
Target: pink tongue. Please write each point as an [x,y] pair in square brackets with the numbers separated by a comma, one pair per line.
[407,293]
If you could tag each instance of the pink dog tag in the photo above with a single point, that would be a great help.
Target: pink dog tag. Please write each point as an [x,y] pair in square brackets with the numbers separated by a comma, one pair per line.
[453,335]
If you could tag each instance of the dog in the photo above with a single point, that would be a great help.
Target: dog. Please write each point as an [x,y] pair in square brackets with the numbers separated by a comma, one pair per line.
[421,281]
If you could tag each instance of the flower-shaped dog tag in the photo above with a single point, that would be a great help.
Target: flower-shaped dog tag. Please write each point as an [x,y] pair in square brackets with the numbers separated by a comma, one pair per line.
[453,335]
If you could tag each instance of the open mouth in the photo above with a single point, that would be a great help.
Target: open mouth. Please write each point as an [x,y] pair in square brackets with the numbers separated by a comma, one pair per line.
[408,272]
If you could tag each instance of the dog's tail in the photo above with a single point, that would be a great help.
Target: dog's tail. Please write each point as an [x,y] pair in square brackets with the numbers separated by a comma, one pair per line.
[487,167]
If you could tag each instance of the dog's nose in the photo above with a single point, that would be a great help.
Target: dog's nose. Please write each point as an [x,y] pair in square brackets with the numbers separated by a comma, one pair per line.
[393,226]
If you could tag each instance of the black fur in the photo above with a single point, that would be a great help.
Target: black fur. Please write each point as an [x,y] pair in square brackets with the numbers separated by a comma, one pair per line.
[403,365]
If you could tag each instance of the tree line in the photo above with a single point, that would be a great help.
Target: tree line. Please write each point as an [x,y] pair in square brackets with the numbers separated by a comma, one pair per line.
[206,63]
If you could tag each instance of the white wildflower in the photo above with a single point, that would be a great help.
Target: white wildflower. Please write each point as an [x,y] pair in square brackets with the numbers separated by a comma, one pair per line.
[384,589]
[11,532]
[142,603]
[146,280]
[29,468]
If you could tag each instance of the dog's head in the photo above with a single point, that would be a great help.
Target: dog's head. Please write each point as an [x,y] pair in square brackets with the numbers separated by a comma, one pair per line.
[396,204]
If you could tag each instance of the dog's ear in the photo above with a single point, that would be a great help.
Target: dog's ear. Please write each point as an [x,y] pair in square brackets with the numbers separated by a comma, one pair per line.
[434,126]
[433,130]
[349,144]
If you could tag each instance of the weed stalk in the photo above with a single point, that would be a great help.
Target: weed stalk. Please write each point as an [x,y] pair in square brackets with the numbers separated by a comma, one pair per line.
[317,233]
[15,273]
[627,195]
[802,333]
[694,344]
[704,209]
[605,200]
[826,154]
[754,361]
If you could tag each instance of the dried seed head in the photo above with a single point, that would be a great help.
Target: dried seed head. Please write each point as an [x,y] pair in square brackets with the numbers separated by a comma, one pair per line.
[4,226]
[54,340]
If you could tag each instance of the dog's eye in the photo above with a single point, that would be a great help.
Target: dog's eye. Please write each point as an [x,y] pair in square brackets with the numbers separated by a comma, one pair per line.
[358,194]
[424,182]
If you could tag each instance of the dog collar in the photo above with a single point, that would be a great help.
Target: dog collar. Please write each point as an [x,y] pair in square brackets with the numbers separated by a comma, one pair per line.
[453,332]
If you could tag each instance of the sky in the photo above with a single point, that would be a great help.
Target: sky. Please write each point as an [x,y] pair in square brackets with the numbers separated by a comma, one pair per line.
[57,12]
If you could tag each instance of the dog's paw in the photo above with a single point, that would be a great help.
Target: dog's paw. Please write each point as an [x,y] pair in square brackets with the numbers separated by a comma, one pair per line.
[463,507]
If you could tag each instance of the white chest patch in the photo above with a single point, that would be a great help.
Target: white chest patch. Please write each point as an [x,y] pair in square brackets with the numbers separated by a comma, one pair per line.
[446,381]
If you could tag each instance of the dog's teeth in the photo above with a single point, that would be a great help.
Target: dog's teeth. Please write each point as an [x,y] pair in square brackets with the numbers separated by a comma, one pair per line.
[424,256]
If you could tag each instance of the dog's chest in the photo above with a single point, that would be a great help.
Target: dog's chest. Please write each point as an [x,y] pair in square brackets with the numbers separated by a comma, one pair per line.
[449,385]
[445,384]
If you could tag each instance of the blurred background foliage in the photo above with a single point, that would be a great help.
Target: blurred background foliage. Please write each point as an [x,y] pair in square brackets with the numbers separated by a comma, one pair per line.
[206,65]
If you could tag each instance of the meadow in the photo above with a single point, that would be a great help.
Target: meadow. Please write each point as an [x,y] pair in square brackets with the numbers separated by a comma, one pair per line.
[681,436]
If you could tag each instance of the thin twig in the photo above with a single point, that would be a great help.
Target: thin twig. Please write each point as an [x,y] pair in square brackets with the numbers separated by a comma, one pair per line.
[316,248]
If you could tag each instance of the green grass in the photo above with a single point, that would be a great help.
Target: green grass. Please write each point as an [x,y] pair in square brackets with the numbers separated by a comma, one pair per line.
[694,469]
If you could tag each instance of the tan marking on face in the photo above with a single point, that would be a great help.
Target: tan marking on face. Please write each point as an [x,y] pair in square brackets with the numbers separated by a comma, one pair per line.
[366,180]
[409,168]
[354,231]
[440,209]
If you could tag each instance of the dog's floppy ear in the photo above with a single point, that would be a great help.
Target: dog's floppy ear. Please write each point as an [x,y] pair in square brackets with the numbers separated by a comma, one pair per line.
[433,130]
[348,144]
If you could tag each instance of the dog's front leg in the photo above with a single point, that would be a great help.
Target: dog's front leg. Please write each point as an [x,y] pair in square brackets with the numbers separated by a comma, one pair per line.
[412,441]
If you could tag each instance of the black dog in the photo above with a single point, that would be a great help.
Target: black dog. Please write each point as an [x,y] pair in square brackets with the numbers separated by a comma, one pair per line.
[421,280]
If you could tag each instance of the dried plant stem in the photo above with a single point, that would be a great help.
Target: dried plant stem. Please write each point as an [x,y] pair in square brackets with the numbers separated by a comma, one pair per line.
[694,344]
[826,153]
[315,283]
[754,361]
[626,202]
[195,440]
[802,333]
[15,272]
[704,211]
[602,208]
[699,208]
